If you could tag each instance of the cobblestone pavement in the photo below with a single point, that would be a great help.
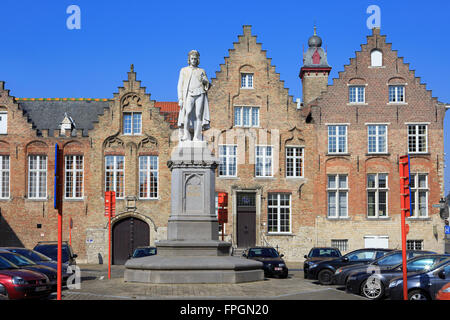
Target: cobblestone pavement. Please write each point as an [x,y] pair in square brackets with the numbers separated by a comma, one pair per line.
[95,285]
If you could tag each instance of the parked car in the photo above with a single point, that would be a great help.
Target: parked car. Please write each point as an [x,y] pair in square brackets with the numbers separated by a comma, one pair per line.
[144,252]
[324,270]
[27,264]
[444,293]
[425,283]
[273,263]
[40,259]
[386,262]
[374,285]
[319,254]
[17,283]
[50,249]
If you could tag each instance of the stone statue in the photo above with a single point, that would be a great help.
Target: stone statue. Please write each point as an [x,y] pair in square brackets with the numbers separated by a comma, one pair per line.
[193,86]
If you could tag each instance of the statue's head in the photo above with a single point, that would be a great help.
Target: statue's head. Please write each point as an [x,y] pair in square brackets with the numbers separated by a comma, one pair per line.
[193,58]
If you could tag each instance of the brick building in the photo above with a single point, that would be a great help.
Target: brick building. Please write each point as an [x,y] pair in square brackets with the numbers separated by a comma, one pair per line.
[323,173]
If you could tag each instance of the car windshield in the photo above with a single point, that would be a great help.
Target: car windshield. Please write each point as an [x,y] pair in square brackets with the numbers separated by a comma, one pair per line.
[263,252]
[51,251]
[390,260]
[17,259]
[360,255]
[32,255]
[5,264]
[324,253]
[143,252]
[424,264]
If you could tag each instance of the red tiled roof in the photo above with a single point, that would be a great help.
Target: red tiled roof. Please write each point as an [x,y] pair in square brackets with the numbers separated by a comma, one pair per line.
[169,110]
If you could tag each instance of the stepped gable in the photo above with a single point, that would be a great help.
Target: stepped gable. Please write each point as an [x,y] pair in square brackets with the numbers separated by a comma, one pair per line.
[47,114]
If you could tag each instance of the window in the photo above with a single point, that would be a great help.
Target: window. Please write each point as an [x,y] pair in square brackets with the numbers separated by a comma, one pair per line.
[4,177]
[148,177]
[414,244]
[361,255]
[74,177]
[115,175]
[3,122]
[294,162]
[263,166]
[419,195]
[417,138]
[342,245]
[337,189]
[356,94]
[279,212]
[132,123]
[396,93]
[377,195]
[377,138]
[246,116]
[227,165]
[247,80]
[376,58]
[337,139]
[37,177]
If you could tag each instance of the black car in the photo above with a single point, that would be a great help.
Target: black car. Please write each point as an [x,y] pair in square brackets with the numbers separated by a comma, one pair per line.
[386,262]
[144,252]
[27,264]
[373,285]
[273,264]
[319,254]
[50,249]
[324,270]
[421,286]
[40,259]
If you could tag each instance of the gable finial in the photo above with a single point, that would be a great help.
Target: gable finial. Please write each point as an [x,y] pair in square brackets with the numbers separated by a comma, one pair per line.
[132,68]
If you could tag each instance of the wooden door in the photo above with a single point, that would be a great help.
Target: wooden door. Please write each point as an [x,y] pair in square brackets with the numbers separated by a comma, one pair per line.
[128,234]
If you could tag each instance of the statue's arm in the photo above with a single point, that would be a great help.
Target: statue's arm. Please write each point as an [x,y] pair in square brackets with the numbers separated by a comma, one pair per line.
[180,89]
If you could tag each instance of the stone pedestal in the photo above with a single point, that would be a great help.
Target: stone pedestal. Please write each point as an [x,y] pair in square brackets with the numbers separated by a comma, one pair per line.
[192,252]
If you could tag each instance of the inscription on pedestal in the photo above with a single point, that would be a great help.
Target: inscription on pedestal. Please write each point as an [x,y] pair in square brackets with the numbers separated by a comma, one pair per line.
[194,193]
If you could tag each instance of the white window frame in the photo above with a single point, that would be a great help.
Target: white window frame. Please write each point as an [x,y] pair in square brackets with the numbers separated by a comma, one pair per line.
[416,137]
[239,112]
[115,171]
[298,156]
[264,157]
[357,88]
[147,174]
[73,173]
[39,181]
[396,97]
[278,207]
[229,160]
[377,137]
[5,120]
[337,137]
[5,176]
[376,58]
[416,189]
[338,191]
[377,189]
[133,124]
[247,81]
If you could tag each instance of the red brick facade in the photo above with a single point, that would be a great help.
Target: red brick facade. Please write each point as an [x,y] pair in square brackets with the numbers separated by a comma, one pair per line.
[291,212]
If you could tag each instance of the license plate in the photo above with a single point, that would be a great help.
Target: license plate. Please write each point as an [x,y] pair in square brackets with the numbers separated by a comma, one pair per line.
[38,289]
[278,269]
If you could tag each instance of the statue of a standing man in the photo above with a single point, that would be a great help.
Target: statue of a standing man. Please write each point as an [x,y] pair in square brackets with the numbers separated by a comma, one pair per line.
[193,86]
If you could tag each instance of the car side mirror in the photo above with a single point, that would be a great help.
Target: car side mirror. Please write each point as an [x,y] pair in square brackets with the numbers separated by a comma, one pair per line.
[442,274]
[345,259]
[305,256]
[75,256]
[281,255]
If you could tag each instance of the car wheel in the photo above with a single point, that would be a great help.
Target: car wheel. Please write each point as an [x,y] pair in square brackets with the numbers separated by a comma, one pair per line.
[417,295]
[372,288]
[325,277]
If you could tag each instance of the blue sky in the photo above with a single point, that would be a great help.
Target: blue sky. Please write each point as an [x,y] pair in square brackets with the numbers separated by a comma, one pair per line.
[41,57]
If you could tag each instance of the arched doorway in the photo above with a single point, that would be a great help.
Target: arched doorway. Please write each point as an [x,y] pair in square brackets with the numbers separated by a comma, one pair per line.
[128,234]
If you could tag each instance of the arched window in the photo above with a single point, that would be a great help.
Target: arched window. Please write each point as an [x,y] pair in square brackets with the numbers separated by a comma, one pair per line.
[376,58]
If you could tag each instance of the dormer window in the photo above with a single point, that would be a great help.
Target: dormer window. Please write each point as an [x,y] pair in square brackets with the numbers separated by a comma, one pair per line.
[247,80]
[376,57]
[132,123]
[66,125]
